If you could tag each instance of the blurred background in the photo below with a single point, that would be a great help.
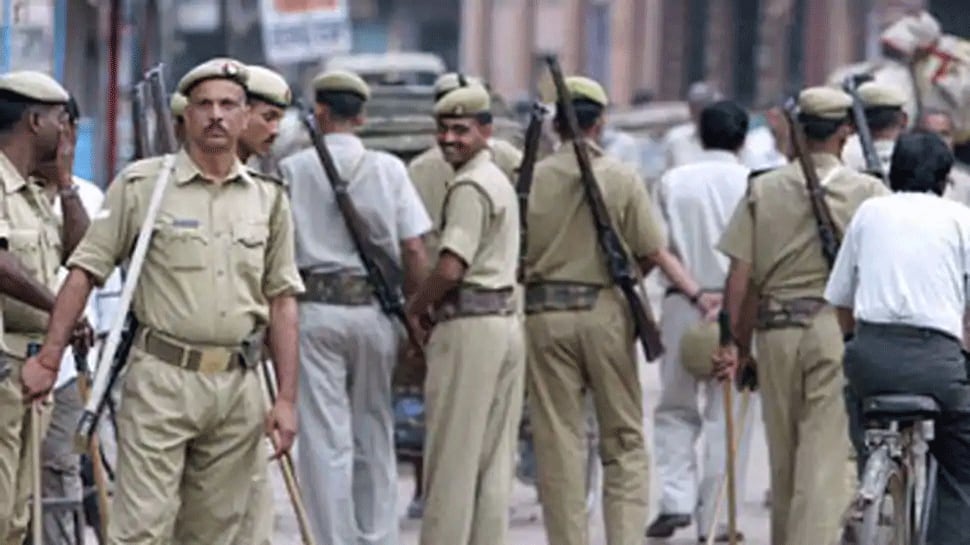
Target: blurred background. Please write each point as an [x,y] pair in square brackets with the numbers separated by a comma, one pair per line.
[646,52]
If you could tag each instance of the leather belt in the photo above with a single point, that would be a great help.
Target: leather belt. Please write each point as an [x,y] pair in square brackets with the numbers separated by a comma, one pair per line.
[468,301]
[799,312]
[560,296]
[336,289]
[210,359]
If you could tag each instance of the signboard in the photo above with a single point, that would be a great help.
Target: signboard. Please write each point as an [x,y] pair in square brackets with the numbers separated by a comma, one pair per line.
[304,30]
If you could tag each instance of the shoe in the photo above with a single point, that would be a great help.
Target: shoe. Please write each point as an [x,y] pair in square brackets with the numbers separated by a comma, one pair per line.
[722,538]
[416,509]
[666,525]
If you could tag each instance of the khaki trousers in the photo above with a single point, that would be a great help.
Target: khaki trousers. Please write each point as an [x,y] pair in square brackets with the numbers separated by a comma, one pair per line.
[570,353]
[801,381]
[473,403]
[16,464]
[189,446]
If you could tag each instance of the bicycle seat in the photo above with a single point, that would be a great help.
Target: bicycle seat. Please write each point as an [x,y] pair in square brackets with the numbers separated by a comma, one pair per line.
[903,407]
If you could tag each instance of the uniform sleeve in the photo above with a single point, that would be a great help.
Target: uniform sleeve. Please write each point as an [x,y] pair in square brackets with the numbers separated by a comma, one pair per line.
[738,239]
[111,234]
[841,287]
[412,218]
[466,211]
[640,227]
[282,276]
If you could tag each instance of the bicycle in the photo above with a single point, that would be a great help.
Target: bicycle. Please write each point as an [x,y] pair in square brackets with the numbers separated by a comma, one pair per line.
[893,502]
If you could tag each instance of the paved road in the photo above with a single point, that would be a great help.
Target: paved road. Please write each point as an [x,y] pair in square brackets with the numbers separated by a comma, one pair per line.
[526,525]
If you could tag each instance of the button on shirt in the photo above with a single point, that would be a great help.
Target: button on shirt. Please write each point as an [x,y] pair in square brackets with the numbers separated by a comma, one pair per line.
[904,260]
[380,189]
[697,201]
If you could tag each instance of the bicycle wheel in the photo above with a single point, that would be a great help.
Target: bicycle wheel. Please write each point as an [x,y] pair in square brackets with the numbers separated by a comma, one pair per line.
[886,520]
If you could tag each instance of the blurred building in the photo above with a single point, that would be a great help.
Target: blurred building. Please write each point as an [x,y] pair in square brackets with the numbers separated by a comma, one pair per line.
[756,50]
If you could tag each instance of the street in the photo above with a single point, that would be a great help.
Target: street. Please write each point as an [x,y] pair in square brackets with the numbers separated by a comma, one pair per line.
[526,523]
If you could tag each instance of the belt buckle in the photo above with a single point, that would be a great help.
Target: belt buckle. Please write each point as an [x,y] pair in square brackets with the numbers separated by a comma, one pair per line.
[214,360]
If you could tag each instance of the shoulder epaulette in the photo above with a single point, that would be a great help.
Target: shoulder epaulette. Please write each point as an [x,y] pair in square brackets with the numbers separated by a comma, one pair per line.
[755,173]
[141,169]
[260,175]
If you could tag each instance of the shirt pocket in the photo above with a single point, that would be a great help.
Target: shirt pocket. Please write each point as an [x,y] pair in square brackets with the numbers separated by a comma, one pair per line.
[181,248]
[249,241]
[25,244]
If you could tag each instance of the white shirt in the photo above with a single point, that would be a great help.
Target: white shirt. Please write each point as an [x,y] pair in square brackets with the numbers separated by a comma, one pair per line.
[697,201]
[682,146]
[103,302]
[380,189]
[904,261]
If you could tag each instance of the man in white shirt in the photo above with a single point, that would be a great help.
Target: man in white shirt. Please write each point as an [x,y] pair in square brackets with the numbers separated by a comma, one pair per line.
[61,477]
[348,346]
[900,288]
[697,201]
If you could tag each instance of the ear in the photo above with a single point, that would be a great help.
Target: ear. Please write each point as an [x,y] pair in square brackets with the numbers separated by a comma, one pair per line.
[32,119]
[905,119]
[487,130]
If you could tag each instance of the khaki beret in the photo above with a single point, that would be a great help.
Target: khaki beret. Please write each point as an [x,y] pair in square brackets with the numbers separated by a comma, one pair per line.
[447,83]
[824,102]
[586,88]
[697,346]
[34,86]
[219,68]
[268,86]
[874,95]
[342,80]
[178,104]
[464,102]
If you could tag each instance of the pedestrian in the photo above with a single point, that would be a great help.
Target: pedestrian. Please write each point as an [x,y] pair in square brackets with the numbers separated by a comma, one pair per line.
[775,247]
[580,335]
[219,276]
[348,345]
[475,353]
[33,136]
[697,200]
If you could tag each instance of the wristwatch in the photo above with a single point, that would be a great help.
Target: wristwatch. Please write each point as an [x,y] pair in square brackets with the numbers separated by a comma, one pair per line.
[694,299]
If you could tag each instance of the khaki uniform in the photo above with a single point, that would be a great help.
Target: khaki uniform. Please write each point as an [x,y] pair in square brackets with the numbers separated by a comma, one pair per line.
[431,174]
[580,338]
[476,366]
[800,358]
[32,231]
[190,421]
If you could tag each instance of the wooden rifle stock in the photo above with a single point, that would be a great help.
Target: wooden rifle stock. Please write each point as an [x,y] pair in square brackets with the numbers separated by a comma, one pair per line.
[523,184]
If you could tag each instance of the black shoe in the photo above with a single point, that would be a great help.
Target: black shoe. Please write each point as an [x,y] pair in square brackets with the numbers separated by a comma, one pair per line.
[666,525]
[722,538]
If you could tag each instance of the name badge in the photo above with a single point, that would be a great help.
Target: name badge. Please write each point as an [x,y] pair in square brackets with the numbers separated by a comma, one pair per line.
[185,223]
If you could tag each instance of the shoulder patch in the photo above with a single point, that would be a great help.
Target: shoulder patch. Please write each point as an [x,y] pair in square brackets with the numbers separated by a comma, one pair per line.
[260,175]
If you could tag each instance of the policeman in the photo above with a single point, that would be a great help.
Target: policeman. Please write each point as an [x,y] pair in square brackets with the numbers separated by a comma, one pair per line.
[219,269]
[269,96]
[580,336]
[475,354]
[773,243]
[431,172]
[883,107]
[33,136]
[348,345]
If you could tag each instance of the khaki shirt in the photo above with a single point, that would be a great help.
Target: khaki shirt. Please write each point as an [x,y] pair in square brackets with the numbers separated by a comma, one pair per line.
[33,235]
[561,241]
[217,255]
[480,223]
[430,174]
[774,229]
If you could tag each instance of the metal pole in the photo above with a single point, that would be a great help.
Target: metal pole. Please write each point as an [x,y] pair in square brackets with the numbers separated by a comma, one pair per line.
[111,115]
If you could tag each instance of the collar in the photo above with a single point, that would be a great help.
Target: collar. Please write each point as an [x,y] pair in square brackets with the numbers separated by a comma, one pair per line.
[187,171]
[344,140]
[12,180]
[483,156]
[718,156]
[824,160]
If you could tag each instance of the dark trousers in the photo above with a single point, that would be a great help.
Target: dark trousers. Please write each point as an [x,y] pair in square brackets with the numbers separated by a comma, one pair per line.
[891,359]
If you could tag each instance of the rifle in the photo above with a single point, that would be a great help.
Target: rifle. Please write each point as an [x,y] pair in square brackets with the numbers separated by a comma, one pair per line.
[523,185]
[383,273]
[828,232]
[121,336]
[620,265]
[851,87]
[143,142]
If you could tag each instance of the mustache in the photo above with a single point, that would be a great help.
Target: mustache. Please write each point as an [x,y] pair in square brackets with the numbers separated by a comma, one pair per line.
[216,126]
